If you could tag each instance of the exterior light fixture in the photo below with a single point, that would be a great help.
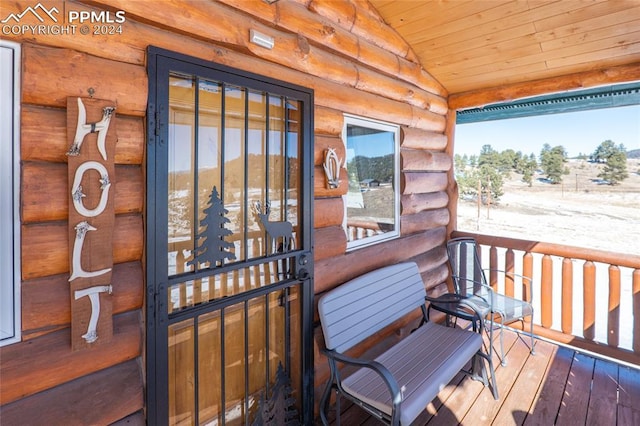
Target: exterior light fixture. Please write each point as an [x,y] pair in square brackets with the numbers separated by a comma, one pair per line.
[261,39]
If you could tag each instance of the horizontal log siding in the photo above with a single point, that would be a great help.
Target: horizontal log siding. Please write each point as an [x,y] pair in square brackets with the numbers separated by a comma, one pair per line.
[354,63]
[122,400]
[46,362]
[45,191]
[129,148]
[45,251]
[45,301]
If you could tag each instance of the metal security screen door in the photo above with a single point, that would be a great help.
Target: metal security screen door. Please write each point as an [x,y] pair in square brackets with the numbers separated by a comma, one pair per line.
[229,262]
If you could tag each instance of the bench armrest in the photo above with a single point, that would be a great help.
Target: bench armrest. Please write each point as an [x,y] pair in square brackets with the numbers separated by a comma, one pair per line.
[381,370]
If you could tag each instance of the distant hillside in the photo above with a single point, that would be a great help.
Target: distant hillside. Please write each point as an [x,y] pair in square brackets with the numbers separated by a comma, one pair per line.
[634,153]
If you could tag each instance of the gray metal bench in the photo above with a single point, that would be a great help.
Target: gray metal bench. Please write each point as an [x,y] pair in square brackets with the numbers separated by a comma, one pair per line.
[398,385]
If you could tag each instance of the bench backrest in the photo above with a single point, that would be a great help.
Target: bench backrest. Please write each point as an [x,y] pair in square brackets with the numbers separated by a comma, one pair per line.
[366,304]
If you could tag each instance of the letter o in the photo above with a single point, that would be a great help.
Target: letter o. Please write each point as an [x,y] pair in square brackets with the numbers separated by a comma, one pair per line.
[77,180]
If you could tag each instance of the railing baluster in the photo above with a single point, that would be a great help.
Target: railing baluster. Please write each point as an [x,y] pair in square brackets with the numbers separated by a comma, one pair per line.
[183,295]
[224,281]
[636,310]
[197,292]
[257,282]
[236,281]
[509,260]
[589,300]
[527,271]
[613,322]
[267,273]
[567,296]
[493,266]
[546,297]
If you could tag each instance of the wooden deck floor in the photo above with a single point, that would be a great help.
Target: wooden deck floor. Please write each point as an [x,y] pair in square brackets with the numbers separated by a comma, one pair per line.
[557,385]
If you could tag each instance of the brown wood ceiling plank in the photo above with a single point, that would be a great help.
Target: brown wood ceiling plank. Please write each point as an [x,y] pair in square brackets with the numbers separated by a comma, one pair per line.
[420,31]
[492,65]
[406,13]
[614,35]
[582,14]
[630,52]
[488,33]
[623,19]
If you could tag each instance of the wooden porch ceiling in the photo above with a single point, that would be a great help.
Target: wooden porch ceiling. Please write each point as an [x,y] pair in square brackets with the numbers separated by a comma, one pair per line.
[472,45]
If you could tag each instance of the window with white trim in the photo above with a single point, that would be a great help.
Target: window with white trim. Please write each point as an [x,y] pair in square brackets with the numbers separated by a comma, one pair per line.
[372,204]
[9,192]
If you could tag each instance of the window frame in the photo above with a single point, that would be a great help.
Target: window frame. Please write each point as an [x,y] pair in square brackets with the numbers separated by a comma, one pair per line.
[389,127]
[10,272]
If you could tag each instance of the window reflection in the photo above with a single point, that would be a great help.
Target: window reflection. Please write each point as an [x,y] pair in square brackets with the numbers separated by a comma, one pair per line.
[372,201]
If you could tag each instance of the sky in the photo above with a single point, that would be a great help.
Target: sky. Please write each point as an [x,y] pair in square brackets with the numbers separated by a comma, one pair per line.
[578,132]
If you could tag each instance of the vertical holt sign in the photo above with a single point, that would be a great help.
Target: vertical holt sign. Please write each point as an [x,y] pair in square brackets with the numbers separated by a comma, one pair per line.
[91,169]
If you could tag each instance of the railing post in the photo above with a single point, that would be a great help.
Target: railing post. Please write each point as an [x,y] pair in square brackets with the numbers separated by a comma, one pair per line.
[546,298]
[636,310]
[567,296]
[509,260]
[613,323]
[527,271]
[589,300]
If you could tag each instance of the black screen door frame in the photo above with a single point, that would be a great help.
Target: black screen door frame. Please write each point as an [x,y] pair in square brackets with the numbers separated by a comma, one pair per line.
[161,63]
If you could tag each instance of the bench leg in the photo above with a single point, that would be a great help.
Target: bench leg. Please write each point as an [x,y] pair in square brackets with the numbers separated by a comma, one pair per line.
[326,395]
[324,403]
[494,387]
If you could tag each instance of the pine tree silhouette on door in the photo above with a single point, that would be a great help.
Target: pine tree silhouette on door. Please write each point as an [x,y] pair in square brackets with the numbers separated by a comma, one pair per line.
[212,247]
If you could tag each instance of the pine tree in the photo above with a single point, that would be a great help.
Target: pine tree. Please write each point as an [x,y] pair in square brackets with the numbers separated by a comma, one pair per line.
[528,170]
[552,161]
[212,246]
[615,159]
[615,169]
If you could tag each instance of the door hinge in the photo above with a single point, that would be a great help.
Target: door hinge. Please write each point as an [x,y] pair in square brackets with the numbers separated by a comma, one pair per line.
[154,119]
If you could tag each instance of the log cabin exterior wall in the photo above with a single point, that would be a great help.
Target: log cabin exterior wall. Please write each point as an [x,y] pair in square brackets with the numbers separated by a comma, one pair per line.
[342,50]
[356,65]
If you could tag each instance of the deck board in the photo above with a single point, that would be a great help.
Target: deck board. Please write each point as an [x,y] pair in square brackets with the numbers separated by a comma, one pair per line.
[486,407]
[603,401]
[629,400]
[519,401]
[557,385]
[464,396]
[575,400]
[547,401]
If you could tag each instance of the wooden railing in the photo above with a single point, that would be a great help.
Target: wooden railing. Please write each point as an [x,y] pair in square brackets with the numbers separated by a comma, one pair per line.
[192,292]
[600,288]
[358,229]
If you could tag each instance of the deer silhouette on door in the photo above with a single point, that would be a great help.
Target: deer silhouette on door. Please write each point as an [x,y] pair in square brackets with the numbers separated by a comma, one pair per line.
[279,233]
